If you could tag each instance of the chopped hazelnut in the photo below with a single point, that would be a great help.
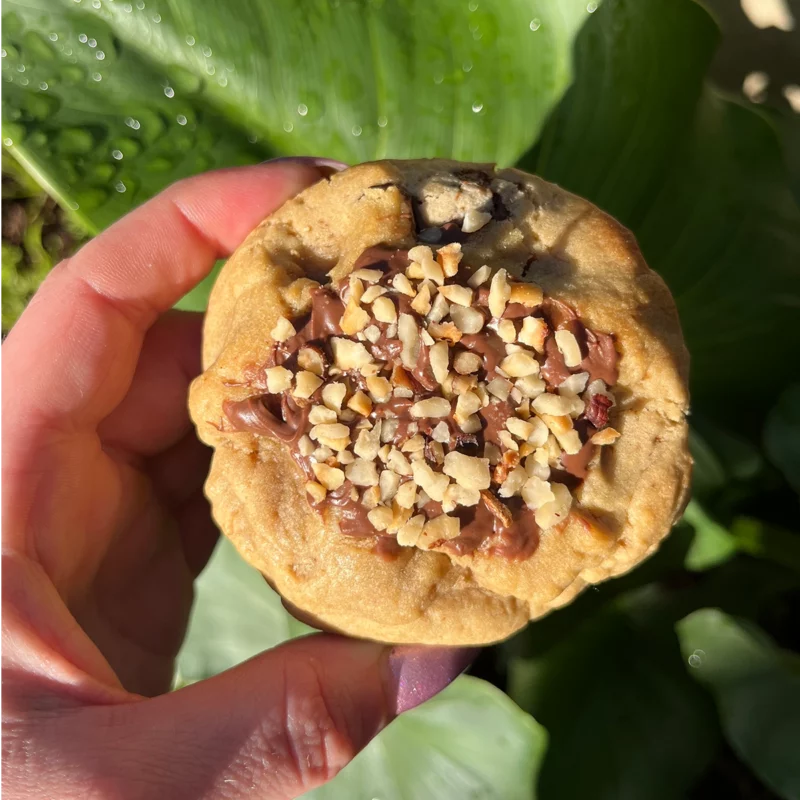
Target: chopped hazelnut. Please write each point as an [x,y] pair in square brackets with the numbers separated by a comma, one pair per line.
[403,285]
[445,330]
[408,333]
[406,494]
[499,293]
[605,437]
[333,395]
[499,387]
[568,347]
[414,444]
[441,433]
[305,445]
[439,357]
[368,443]
[433,483]
[530,386]
[380,389]
[398,462]
[491,452]
[360,403]
[552,404]
[474,220]
[466,363]
[513,484]
[279,379]
[362,473]
[460,295]
[319,415]
[533,333]
[317,491]
[479,277]
[467,320]
[354,319]
[551,514]
[312,359]
[283,330]
[368,275]
[575,384]
[371,497]
[306,383]
[409,534]
[372,294]
[528,294]
[507,331]
[537,492]
[431,407]
[439,309]
[383,310]
[519,365]
[467,471]
[422,302]
[389,482]
[348,354]
[330,477]
[380,517]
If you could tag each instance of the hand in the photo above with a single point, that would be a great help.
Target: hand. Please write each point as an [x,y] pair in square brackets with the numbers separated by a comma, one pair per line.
[105,527]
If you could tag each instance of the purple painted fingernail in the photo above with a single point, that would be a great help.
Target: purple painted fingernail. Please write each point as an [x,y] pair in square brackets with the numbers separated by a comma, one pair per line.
[418,673]
[327,166]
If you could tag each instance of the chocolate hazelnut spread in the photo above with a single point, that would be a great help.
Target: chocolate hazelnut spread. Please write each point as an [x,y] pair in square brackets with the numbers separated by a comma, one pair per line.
[285,416]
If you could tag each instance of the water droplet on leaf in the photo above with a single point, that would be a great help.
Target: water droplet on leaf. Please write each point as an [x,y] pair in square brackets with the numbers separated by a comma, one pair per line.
[120,187]
[302,109]
[467,66]
[207,51]
[169,91]
[53,37]
[382,122]
[117,154]
[356,130]
[181,119]
[477,107]
[535,24]
[99,55]
[288,127]
[190,40]
[83,38]
[96,76]
[156,18]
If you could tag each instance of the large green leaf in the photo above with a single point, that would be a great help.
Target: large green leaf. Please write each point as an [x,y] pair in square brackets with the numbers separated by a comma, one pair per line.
[92,120]
[108,101]
[700,180]
[470,742]
[757,690]
[624,722]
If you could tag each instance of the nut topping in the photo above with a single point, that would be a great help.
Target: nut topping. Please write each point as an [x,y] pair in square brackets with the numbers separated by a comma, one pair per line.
[436,394]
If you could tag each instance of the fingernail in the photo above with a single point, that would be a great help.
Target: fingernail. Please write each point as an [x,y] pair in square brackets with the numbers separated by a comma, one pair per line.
[327,166]
[419,673]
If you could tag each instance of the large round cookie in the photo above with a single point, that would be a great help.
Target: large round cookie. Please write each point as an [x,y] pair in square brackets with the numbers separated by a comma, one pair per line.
[634,487]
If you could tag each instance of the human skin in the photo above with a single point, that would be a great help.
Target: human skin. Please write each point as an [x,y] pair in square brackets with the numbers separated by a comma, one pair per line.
[105,526]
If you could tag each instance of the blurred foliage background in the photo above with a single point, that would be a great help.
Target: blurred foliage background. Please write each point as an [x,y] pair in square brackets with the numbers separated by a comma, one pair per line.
[681,679]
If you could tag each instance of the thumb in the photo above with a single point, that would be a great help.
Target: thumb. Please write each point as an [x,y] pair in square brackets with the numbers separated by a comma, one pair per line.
[284,722]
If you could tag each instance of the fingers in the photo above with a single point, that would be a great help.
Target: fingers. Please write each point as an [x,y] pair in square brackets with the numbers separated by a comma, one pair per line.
[71,358]
[72,355]
[153,415]
[284,722]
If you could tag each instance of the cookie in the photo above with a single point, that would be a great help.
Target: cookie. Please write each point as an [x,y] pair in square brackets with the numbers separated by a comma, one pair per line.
[443,399]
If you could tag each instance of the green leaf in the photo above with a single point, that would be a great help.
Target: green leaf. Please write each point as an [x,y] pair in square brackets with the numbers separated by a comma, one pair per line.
[712,544]
[782,434]
[91,119]
[708,474]
[235,616]
[136,96]
[624,722]
[700,180]
[363,79]
[757,690]
[469,743]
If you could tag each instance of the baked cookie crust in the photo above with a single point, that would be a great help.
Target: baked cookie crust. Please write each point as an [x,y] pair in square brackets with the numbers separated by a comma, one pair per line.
[633,492]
